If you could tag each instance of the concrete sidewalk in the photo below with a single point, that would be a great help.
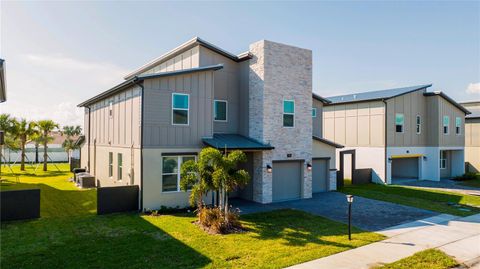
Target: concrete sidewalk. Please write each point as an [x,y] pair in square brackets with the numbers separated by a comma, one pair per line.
[458,237]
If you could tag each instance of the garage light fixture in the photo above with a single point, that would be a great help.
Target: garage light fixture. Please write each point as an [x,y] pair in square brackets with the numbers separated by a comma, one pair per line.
[309,167]
[269,168]
[424,158]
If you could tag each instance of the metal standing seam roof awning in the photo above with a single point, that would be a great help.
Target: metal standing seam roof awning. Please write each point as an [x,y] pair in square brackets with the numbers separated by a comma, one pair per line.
[235,141]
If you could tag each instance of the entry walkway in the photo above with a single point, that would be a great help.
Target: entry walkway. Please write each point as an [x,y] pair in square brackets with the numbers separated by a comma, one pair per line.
[458,237]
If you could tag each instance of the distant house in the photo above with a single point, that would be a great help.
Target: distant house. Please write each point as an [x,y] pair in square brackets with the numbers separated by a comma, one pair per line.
[196,95]
[472,136]
[400,133]
[56,153]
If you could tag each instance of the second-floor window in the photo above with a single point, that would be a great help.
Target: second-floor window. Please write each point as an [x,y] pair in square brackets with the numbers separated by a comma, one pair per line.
[446,124]
[288,113]
[399,122]
[180,108]
[110,164]
[419,124]
[458,125]
[314,112]
[220,108]
[110,109]
[119,166]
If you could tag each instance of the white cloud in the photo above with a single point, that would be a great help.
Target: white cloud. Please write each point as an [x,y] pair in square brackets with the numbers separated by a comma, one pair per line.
[473,88]
[50,86]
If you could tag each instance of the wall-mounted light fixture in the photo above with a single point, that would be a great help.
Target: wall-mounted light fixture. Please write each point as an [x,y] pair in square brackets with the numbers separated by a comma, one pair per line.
[269,168]
[424,158]
[389,160]
[309,167]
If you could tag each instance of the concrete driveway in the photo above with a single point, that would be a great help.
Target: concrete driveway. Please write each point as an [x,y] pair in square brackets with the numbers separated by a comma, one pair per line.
[367,214]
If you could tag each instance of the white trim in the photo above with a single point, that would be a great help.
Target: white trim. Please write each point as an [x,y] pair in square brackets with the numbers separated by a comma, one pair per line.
[418,126]
[403,123]
[283,112]
[179,165]
[314,109]
[110,165]
[459,127]
[119,167]
[187,109]
[226,110]
[443,125]
[444,159]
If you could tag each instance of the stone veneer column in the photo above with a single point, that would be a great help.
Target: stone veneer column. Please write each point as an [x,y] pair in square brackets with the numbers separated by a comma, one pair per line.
[279,72]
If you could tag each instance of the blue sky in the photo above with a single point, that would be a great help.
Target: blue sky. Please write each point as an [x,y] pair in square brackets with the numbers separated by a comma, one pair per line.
[60,53]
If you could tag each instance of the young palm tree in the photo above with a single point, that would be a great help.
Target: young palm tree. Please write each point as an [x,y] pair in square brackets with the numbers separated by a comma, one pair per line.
[214,171]
[24,131]
[69,145]
[46,127]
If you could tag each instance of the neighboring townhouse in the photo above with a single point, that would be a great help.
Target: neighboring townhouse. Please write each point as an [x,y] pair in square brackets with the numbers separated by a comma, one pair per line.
[472,136]
[403,133]
[260,101]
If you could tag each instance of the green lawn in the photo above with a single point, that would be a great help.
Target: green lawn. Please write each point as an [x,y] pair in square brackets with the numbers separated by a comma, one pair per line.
[77,238]
[422,198]
[58,196]
[430,258]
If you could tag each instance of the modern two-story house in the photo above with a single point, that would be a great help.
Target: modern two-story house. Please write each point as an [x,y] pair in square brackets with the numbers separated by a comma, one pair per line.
[472,136]
[400,133]
[260,101]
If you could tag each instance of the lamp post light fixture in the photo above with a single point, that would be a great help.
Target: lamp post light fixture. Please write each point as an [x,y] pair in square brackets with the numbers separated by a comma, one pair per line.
[350,201]
[269,168]
[309,167]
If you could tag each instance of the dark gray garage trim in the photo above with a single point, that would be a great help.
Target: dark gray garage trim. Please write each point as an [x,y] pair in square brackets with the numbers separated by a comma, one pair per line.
[287,180]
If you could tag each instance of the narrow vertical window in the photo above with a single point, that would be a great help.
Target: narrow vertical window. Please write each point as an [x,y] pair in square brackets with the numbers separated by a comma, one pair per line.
[120,166]
[314,112]
[110,164]
[220,108]
[110,109]
[446,124]
[399,122]
[458,125]
[443,159]
[288,113]
[180,108]
[419,124]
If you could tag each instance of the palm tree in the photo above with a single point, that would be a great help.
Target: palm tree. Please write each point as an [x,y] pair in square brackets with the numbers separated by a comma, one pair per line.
[214,171]
[6,126]
[46,127]
[24,131]
[69,144]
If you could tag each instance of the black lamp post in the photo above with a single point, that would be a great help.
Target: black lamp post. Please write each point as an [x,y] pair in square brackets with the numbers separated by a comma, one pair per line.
[350,201]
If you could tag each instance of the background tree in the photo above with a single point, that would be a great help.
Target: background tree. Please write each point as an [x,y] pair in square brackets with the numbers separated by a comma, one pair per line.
[69,144]
[23,132]
[46,127]
[6,125]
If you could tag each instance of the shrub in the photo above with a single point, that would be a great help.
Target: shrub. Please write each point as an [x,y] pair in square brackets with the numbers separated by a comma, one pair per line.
[466,176]
[214,220]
